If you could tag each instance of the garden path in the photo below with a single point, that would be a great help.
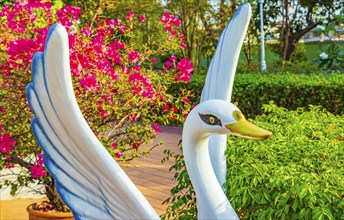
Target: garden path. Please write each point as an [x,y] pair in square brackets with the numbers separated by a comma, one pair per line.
[148,174]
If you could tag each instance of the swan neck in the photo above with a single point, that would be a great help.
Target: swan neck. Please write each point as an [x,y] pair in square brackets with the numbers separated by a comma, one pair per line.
[212,203]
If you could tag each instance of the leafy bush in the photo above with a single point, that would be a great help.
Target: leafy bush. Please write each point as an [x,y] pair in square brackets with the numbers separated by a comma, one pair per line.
[295,174]
[291,91]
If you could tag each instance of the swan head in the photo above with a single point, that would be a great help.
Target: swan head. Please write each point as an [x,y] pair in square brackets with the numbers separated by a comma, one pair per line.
[221,117]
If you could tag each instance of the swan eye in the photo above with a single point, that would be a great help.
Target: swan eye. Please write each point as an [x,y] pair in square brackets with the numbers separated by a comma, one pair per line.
[210,119]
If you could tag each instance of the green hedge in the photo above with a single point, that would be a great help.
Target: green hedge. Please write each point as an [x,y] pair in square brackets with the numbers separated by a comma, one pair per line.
[297,173]
[288,90]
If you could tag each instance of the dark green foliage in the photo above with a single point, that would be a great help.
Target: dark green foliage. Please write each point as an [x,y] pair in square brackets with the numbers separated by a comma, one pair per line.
[295,174]
[291,91]
[335,59]
[183,199]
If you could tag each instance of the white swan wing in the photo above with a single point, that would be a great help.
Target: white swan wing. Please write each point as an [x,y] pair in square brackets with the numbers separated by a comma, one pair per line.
[88,179]
[220,78]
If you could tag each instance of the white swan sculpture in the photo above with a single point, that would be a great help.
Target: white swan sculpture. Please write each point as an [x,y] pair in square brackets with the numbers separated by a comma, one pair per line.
[88,179]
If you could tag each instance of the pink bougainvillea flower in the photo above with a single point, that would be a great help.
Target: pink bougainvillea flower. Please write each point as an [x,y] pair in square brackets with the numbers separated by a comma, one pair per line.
[137,67]
[185,65]
[2,109]
[131,14]
[154,60]
[142,18]
[89,82]
[166,107]
[148,93]
[173,58]
[165,17]
[122,28]
[141,85]
[103,113]
[117,45]
[135,145]
[186,100]
[182,45]
[168,64]
[181,37]
[111,23]
[86,32]
[119,21]
[170,19]
[40,159]
[168,28]
[21,50]
[1,127]
[126,69]
[108,98]
[176,22]
[119,154]
[114,145]
[40,4]
[6,143]
[37,171]
[134,56]
[156,127]
[185,69]
[66,12]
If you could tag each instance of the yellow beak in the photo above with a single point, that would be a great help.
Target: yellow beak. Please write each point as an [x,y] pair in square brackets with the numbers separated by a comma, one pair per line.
[243,128]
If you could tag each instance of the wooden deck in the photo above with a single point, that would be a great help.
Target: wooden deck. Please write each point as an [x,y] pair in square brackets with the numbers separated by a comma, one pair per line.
[148,174]
[151,176]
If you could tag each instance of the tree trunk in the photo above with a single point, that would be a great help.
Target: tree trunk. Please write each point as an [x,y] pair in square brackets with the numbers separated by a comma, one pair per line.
[54,198]
[289,52]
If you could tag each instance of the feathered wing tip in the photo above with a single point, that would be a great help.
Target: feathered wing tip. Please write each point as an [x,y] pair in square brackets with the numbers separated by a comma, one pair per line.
[220,78]
[221,72]
[88,179]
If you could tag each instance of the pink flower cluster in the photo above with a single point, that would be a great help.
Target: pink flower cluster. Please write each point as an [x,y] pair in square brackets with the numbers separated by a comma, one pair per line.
[100,63]
[185,69]
[169,20]
[37,170]
[68,14]
[20,17]
[141,85]
[6,143]
[134,56]
[89,82]
[23,10]
[97,53]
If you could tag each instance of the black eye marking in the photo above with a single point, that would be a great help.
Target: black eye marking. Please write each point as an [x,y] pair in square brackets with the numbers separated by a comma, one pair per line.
[210,119]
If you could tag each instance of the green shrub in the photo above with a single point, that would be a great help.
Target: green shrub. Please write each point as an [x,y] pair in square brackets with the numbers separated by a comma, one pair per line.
[288,90]
[295,174]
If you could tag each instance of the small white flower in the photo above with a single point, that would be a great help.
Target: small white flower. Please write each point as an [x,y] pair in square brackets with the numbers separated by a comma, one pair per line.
[323,55]
[321,28]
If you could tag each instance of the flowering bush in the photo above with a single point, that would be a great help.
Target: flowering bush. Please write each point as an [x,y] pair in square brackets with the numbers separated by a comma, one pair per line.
[120,83]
